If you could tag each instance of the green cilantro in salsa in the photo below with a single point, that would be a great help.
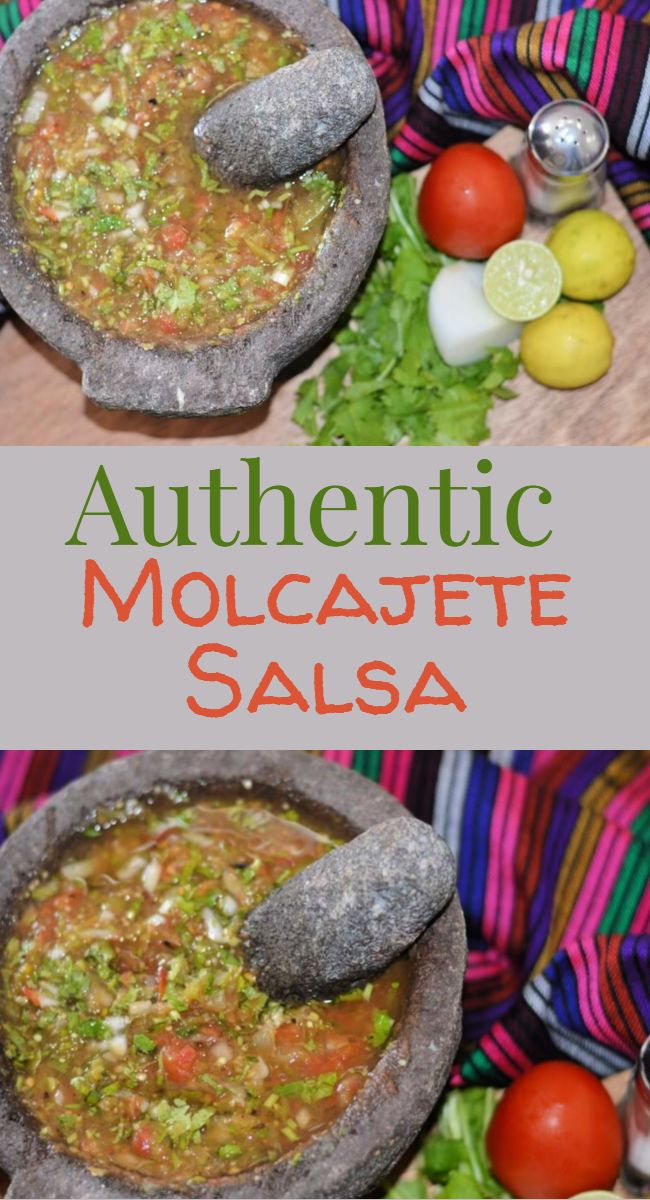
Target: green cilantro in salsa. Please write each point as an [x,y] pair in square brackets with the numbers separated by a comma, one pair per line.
[118,209]
[138,1039]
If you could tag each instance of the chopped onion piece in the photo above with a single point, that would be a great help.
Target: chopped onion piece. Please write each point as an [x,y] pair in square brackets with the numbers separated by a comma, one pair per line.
[118,1046]
[34,107]
[140,1008]
[103,101]
[151,875]
[213,926]
[77,870]
[116,1024]
[132,868]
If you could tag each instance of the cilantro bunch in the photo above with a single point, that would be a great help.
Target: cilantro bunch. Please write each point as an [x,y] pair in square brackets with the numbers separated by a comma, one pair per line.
[453,1161]
[388,383]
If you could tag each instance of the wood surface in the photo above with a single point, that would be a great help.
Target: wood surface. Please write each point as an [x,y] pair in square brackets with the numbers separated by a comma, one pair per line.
[41,402]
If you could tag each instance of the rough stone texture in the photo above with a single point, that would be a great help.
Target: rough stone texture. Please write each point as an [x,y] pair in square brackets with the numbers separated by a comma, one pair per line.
[346,917]
[238,372]
[370,1137]
[277,127]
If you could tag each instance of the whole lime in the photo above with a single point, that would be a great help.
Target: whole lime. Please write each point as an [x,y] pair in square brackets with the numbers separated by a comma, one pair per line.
[569,347]
[595,252]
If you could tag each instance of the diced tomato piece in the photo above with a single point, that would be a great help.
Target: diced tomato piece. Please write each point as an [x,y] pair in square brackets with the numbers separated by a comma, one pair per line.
[149,278]
[142,1139]
[46,210]
[90,60]
[68,901]
[32,995]
[134,1105]
[42,156]
[64,902]
[338,1053]
[161,980]
[287,1037]
[202,203]
[52,125]
[174,235]
[178,1059]
[168,325]
[46,927]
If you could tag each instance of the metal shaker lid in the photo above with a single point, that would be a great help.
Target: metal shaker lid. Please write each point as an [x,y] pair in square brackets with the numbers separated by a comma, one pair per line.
[568,137]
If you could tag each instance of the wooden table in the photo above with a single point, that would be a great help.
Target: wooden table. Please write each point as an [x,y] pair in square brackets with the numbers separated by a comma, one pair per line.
[41,402]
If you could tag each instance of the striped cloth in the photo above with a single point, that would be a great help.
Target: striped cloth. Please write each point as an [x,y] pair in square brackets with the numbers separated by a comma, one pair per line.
[460,69]
[553,853]
[454,70]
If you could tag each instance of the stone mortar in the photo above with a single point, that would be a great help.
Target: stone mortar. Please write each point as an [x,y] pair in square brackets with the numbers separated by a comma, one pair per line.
[370,1137]
[238,372]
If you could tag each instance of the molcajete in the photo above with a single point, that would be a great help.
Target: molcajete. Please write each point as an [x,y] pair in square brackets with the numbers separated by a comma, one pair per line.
[236,371]
[375,1129]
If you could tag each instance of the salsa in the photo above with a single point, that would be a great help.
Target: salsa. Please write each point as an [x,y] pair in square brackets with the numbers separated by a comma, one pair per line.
[137,1037]
[120,211]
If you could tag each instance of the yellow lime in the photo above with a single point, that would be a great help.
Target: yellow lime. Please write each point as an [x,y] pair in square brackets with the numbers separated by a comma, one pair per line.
[522,280]
[569,347]
[595,252]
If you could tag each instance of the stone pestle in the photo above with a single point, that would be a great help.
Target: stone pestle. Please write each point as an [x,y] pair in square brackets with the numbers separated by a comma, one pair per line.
[347,916]
[276,127]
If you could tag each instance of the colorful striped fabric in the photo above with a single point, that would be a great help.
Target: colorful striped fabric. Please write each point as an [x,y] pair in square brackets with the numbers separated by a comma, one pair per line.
[553,854]
[454,70]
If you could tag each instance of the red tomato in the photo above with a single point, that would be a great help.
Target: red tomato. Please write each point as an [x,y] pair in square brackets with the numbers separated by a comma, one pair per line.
[46,210]
[174,235]
[178,1059]
[161,980]
[555,1133]
[32,995]
[288,1037]
[168,325]
[471,202]
[142,1141]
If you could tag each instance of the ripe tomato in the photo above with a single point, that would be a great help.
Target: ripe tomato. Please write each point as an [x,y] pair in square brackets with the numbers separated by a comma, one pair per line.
[141,1143]
[555,1133]
[178,1059]
[174,235]
[471,202]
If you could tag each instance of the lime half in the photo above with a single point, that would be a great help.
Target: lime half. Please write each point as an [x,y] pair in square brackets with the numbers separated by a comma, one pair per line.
[522,280]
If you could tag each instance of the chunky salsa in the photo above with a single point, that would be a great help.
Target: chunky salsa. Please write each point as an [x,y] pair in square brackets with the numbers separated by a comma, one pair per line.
[118,208]
[138,1038]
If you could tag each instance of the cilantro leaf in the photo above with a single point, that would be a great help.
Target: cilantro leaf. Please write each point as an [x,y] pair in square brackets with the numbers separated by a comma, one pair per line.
[143,1043]
[382,1024]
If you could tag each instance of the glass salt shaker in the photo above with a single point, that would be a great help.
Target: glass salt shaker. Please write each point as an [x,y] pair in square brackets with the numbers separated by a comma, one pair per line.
[637,1124]
[562,164]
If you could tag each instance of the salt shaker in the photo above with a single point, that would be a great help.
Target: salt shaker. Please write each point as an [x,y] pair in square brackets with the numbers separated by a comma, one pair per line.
[562,163]
[637,1124]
